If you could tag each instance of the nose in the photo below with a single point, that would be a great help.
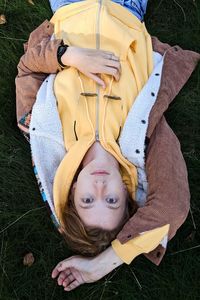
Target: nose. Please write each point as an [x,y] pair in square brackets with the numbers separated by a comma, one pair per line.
[99,185]
[100,182]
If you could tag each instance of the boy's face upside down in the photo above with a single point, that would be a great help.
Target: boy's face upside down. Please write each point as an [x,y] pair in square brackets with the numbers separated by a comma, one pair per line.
[100,195]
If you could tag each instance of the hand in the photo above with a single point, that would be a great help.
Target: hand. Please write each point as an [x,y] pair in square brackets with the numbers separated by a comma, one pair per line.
[92,62]
[77,270]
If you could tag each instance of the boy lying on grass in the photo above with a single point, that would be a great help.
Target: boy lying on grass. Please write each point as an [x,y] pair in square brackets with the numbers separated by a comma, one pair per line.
[109,166]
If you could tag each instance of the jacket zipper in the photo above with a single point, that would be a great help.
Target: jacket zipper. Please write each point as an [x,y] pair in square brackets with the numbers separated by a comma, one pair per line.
[98,87]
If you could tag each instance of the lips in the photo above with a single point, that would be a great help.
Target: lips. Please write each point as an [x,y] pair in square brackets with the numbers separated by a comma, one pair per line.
[100,172]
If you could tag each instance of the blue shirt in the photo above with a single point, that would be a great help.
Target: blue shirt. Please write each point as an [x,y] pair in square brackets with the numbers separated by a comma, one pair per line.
[137,7]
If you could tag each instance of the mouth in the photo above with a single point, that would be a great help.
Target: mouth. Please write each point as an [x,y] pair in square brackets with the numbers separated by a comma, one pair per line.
[100,172]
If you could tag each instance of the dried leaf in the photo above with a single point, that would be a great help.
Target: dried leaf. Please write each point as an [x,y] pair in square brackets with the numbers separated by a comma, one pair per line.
[31,2]
[2,19]
[28,259]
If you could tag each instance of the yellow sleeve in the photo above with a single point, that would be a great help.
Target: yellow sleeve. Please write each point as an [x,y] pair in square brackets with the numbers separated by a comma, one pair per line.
[144,243]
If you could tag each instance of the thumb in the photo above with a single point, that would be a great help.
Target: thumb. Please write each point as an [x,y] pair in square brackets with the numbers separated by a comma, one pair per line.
[67,263]
[97,79]
[62,266]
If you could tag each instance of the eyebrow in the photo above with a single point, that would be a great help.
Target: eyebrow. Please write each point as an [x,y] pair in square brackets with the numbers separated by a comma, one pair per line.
[88,207]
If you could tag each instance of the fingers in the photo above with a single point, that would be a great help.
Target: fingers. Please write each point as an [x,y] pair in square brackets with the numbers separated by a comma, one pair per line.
[67,263]
[97,79]
[55,273]
[70,278]
[93,62]
[106,58]
[103,53]
[61,266]
[112,71]
[111,67]
[62,276]
[111,57]
[68,281]
[67,275]
[112,63]
[74,284]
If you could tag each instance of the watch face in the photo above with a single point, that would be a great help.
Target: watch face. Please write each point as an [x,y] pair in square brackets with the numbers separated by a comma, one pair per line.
[60,52]
[62,49]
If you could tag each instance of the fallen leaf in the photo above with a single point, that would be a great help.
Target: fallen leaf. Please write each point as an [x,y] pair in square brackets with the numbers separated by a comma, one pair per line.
[31,2]
[28,259]
[2,19]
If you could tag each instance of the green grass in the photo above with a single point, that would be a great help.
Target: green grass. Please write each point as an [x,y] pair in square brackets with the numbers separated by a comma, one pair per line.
[175,22]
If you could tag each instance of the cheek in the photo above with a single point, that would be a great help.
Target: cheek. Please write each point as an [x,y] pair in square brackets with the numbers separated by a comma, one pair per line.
[118,180]
[82,184]
[118,187]
[88,216]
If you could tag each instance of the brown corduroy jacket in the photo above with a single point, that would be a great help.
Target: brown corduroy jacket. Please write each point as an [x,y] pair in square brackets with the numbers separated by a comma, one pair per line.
[168,190]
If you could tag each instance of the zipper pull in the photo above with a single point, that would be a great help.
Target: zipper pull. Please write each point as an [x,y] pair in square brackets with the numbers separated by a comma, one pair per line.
[97,136]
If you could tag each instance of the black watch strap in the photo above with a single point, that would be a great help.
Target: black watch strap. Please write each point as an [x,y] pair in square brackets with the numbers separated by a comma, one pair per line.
[61,50]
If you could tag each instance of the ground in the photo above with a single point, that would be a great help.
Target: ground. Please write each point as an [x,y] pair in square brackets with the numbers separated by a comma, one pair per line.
[24,222]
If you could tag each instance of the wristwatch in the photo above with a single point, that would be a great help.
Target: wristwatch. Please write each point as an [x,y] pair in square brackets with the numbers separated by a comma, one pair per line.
[61,50]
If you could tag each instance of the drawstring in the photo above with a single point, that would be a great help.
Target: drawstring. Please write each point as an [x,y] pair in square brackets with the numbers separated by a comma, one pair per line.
[107,98]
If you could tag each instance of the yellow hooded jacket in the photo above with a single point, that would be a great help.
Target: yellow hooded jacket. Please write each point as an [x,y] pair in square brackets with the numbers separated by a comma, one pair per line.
[87,112]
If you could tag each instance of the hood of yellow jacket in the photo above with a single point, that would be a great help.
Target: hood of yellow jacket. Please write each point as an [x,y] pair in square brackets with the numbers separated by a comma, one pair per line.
[87,112]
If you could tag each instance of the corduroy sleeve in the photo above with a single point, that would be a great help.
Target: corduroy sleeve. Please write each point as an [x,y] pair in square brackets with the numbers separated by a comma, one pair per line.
[40,51]
[168,198]
[168,190]
[39,60]
[144,243]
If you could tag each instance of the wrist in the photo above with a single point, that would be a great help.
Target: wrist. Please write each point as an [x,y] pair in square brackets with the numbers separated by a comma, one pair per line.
[62,49]
[107,261]
[66,58]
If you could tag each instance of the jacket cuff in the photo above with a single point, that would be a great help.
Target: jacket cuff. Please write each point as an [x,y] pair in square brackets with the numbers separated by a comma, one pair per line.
[144,243]
[126,252]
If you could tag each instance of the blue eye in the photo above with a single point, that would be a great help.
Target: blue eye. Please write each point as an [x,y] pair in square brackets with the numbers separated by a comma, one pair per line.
[111,200]
[87,200]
